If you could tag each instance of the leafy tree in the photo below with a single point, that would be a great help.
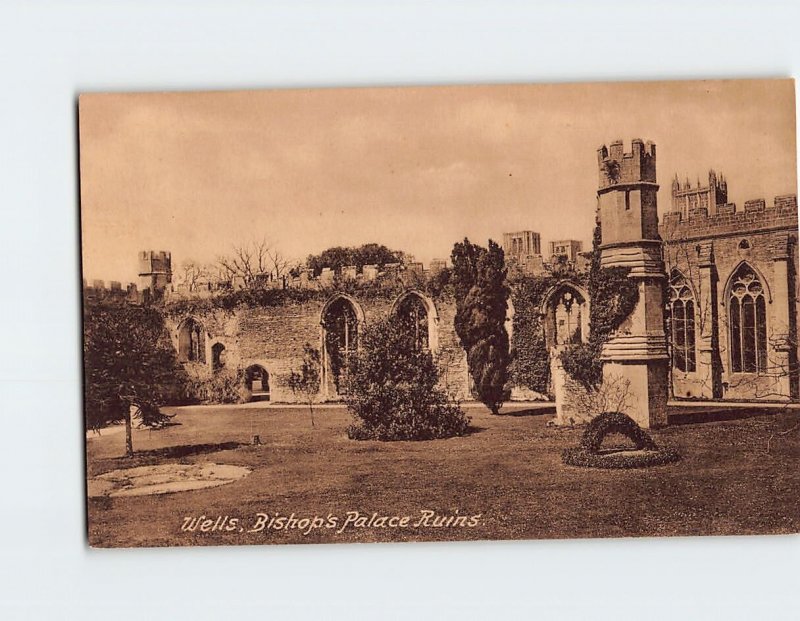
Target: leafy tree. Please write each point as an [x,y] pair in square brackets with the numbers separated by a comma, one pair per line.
[478,277]
[338,257]
[130,366]
[393,389]
[306,381]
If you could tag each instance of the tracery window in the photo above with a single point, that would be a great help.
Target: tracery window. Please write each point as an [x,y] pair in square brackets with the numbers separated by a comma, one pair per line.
[747,314]
[340,323]
[192,342]
[682,324]
[413,315]
[567,310]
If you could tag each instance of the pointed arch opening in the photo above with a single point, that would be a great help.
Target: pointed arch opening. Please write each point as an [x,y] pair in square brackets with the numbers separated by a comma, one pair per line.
[681,318]
[191,341]
[341,320]
[565,311]
[747,320]
[417,314]
[217,356]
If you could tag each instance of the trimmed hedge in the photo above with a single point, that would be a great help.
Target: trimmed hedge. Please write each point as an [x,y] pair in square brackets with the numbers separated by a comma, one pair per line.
[615,422]
[588,454]
[619,461]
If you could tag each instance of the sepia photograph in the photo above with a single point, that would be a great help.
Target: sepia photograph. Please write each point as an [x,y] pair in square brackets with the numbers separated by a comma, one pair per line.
[440,313]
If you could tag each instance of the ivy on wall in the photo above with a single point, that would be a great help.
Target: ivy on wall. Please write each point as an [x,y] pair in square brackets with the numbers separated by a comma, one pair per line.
[613,297]
[530,365]
[436,286]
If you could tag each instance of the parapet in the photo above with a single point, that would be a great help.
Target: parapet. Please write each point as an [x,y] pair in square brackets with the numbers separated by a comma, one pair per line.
[155,262]
[98,288]
[616,167]
[387,275]
[758,204]
[729,219]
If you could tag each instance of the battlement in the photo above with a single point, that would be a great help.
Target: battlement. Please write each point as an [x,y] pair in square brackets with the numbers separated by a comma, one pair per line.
[155,262]
[616,167]
[114,288]
[388,275]
[729,219]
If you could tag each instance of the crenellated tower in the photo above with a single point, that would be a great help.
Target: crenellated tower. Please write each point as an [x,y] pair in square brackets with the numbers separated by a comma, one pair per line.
[628,213]
[155,270]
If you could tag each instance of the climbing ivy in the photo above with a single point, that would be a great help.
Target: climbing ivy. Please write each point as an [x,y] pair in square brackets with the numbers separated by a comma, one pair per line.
[613,297]
[436,286]
[530,365]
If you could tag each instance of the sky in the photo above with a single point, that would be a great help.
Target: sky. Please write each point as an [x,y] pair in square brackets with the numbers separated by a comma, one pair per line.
[415,169]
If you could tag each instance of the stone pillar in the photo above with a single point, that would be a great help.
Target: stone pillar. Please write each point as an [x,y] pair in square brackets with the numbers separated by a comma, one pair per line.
[705,322]
[636,354]
[780,336]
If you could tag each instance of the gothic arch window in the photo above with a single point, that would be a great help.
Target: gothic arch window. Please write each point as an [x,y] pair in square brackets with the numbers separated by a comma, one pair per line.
[747,318]
[682,323]
[417,315]
[192,341]
[340,323]
[566,314]
[217,356]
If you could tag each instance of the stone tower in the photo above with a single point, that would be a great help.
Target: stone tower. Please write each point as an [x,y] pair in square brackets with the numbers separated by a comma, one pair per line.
[155,270]
[700,199]
[627,207]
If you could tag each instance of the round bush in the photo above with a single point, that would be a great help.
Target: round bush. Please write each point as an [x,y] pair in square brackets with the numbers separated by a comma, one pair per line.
[583,458]
[615,422]
[393,392]
[645,452]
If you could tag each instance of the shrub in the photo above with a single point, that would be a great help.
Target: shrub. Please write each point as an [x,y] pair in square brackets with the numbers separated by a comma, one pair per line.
[619,461]
[225,386]
[615,422]
[392,390]
[588,454]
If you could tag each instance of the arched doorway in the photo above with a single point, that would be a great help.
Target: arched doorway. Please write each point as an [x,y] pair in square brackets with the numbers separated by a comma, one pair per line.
[256,379]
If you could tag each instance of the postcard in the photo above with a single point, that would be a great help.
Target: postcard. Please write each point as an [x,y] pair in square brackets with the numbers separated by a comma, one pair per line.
[440,313]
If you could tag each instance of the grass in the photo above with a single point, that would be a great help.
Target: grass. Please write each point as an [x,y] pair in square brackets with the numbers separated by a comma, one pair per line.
[508,470]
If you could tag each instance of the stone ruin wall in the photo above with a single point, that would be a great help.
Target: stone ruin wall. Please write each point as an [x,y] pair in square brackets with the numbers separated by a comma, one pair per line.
[274,337]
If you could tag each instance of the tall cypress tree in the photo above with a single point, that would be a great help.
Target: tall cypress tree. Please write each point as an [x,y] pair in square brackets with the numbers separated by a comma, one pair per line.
[479,276]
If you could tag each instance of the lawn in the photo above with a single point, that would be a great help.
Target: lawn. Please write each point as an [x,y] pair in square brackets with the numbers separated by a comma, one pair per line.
[508,472]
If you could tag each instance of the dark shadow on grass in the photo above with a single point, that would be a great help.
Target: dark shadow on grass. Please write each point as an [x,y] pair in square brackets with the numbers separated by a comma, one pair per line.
[531,411]
[185,450]
[473,429]
[717,415]
[141,427]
